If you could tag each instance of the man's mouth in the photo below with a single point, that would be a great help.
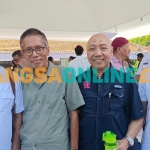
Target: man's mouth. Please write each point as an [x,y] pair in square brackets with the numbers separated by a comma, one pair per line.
[98,60]
[36,61]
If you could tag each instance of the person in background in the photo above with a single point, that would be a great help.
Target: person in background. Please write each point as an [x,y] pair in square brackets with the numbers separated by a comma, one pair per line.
[139,58]
[145,63]
[129,65]
[79,61]
[71,58]
[13,66]
[50,58]
[109,106]
[17,56]
[50,107]
[121,51]
[144,89]
[17,59]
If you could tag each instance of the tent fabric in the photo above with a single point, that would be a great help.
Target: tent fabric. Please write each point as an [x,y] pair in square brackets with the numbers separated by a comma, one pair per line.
[71,15]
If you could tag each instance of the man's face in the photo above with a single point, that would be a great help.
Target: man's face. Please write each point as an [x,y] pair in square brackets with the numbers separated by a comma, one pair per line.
[17,59]
[139,59]
[99,51]
[36,60]
[125,51]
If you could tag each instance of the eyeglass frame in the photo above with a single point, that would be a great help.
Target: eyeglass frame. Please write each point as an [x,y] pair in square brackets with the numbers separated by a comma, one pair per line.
[34,49]
[18,60]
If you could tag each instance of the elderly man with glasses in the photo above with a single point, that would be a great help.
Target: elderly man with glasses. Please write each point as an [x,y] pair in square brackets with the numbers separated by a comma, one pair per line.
[46,120]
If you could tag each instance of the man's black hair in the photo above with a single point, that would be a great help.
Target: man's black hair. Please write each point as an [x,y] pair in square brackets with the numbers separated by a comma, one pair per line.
[50,58]
[140,55]
[72,57]
[33,31]
[79,50]
[17,52]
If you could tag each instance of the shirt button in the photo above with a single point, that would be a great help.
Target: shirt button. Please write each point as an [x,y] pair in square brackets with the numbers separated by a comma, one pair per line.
[39,101]
[35,130]
[34,145]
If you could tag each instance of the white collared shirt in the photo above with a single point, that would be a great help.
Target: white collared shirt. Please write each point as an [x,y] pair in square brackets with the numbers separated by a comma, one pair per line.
[6,104]
[145,63]
[144,89]
[79,62]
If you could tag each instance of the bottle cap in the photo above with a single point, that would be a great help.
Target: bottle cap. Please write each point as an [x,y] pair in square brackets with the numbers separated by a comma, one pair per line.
[109,137]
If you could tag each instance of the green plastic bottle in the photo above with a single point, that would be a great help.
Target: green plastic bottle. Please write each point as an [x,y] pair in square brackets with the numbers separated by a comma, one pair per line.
[110,140]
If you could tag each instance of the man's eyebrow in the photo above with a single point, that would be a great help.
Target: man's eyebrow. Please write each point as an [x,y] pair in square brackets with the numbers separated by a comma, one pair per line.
[100,45]
[91,45]
[103,44]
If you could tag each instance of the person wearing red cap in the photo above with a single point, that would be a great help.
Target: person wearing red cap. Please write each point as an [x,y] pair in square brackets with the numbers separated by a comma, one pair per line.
[121,51]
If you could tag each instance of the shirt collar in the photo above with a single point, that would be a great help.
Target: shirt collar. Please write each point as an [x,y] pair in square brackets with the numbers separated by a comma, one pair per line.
[109,71]
[80,56]
[116,60]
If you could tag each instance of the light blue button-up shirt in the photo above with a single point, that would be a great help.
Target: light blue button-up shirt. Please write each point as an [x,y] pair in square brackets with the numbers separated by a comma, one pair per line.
[144,91]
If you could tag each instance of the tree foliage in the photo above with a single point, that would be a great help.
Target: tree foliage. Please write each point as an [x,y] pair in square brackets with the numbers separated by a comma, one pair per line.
[143,41]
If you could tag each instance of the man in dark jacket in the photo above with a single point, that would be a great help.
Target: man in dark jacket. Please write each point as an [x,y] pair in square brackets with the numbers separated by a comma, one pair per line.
[111,104]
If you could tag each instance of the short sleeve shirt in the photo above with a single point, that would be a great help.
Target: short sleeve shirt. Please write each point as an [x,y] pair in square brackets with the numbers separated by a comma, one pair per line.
[144,89]
[6,104]
[46,118]
[79,62]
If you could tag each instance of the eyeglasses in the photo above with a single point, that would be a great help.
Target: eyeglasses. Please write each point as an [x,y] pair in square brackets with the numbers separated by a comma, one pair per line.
[38,50]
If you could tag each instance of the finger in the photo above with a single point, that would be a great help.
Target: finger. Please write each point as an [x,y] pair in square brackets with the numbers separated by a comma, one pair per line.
[119,147]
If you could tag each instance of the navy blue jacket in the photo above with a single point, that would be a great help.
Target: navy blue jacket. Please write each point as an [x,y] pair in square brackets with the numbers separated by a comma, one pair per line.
[106,109]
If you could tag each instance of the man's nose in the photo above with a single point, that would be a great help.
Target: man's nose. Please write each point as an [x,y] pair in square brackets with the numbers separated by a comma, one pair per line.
[98,52]
[34,53]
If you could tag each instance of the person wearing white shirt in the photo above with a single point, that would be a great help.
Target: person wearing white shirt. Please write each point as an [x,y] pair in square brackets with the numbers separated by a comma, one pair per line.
[79,61]
[6,105]
[144,89]
[145,63]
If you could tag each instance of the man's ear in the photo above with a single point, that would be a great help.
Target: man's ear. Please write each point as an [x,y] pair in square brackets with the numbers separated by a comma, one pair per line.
[118,49]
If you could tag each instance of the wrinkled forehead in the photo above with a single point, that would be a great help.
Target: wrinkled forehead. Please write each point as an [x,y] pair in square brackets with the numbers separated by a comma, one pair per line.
[99,40]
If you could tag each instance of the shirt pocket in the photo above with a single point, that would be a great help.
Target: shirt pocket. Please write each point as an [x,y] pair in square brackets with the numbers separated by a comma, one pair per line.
[112,102]
[6,101]
[90,99]
[54,102]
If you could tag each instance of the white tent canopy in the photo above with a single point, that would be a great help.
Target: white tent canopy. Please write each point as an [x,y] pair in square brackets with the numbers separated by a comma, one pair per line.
[72,19]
